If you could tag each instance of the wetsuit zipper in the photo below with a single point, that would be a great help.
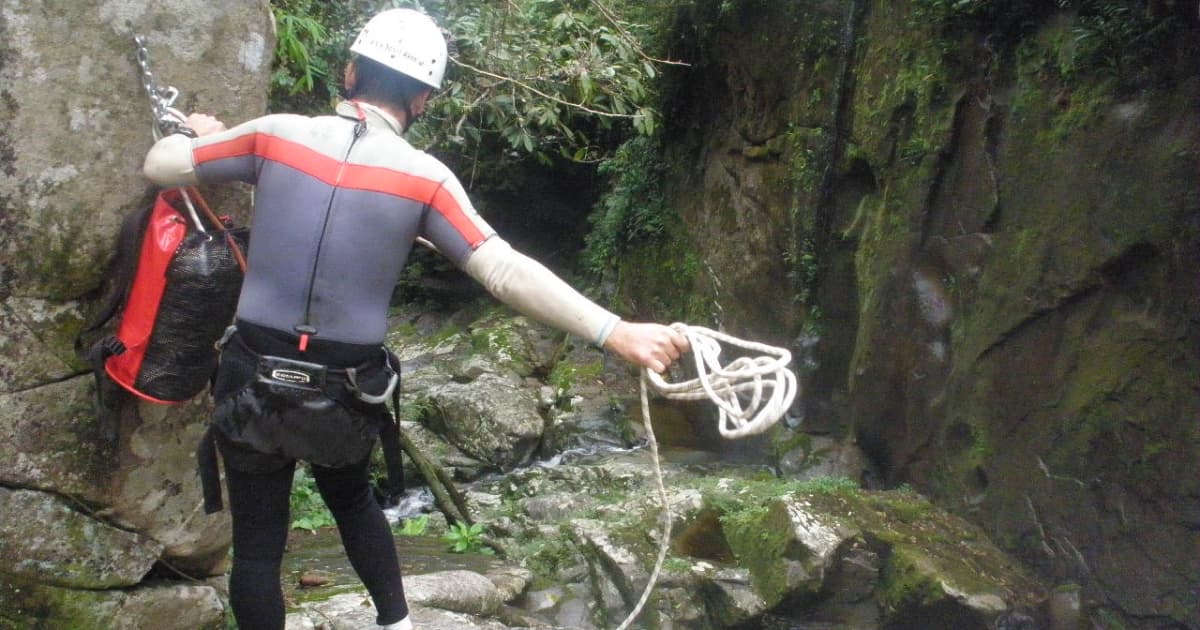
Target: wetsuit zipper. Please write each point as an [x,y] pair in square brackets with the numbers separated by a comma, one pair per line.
[306,329]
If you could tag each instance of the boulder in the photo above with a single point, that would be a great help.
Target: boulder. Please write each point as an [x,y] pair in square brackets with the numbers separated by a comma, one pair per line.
[878,558]
[447,600]
[458,591]
[50,541]
[489,419]
[119,495]
[161,606]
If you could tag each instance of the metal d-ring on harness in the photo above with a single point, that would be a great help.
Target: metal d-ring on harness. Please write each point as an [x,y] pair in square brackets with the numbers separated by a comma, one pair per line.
[370,399]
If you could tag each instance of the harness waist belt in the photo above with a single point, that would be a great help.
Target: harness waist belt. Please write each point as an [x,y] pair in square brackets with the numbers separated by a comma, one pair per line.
[284,372]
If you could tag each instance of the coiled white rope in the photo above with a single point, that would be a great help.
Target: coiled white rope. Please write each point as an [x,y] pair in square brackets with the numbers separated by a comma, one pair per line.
[726,386]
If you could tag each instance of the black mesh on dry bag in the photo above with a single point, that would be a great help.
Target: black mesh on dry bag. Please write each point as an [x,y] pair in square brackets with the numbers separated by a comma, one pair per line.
[198,303]
[176,289]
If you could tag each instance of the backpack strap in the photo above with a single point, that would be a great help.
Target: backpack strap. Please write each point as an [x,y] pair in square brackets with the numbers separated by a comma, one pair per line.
[389,440]
[107,412]
[210,473]
[190,193]
[122,265]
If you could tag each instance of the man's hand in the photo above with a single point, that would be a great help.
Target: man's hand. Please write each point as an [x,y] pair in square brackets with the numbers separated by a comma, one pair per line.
[652,346]
[203,124]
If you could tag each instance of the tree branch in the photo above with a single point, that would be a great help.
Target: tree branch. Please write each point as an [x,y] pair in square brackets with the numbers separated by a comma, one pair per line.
[522,84]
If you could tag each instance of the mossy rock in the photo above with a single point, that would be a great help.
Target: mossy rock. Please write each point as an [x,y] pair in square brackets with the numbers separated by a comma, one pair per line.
[163,606]
[933,560]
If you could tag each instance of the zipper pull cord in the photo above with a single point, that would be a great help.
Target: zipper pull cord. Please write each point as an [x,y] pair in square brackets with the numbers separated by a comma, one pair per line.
[306,332]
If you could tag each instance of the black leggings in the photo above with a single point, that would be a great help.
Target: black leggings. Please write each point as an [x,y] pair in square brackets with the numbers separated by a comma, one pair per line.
[259,504]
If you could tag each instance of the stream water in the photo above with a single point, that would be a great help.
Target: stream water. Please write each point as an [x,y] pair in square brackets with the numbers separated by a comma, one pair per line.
[318,556]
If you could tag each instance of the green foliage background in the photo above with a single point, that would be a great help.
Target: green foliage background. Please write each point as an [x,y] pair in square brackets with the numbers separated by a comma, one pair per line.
[546,78]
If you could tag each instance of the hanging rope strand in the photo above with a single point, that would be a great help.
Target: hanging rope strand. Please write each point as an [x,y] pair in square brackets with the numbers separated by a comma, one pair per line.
[725,386]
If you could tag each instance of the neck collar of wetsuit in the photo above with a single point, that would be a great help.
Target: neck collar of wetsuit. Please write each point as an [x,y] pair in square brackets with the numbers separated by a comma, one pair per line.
[374,116]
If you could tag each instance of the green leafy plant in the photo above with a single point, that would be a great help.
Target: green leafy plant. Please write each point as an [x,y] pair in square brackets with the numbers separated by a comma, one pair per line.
[633,211]
[308,509]
[564,376]
[464,538]
[413,526]
[299,70]
[1127,40]
[312,38]
[547,77]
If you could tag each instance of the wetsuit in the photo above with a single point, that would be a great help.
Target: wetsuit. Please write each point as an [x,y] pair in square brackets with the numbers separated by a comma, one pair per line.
[339,202]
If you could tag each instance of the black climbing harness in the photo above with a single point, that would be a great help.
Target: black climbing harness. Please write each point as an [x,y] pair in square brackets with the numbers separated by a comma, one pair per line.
[271,410]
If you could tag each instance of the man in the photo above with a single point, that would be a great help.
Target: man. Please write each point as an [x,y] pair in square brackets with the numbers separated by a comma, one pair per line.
[339,202]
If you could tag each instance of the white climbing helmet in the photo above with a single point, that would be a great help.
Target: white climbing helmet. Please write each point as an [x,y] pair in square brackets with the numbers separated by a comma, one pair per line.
[406,41]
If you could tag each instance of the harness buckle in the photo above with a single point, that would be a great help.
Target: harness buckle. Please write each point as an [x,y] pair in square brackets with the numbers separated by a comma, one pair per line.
[225,337]
[373,399]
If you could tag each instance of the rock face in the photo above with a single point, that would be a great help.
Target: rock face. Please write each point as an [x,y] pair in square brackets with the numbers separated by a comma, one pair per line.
[75,125]
[468,384]
[746,551]
[984,245]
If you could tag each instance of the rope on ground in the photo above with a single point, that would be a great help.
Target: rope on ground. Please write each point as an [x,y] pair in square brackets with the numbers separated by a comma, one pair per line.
[745,379]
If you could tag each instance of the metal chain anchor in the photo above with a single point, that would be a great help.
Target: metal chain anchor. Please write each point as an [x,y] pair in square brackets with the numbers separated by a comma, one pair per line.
[167,119]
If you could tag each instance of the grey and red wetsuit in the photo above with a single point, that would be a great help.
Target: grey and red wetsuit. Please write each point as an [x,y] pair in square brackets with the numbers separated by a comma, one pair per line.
[339,202]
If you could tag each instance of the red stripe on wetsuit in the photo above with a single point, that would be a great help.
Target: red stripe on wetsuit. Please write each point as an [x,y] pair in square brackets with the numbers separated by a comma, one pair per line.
[355,176]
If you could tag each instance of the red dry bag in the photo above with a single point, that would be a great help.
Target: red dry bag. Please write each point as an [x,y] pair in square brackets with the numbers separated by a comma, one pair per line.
[176,296]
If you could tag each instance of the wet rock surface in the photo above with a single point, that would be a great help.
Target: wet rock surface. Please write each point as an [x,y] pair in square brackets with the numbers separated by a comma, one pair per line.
[747,547]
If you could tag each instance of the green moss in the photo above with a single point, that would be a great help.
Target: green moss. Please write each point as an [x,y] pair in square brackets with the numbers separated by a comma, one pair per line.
[905,584]
[908,508]
[1070,110]
[676,565]
[730,497]
[547,556]
[758,526]
[665,282]
[565,375]
[783,443]
[491,340]
[446,333]
[325,593]
[53,257]
[760,537]
[25,605]
[404,330]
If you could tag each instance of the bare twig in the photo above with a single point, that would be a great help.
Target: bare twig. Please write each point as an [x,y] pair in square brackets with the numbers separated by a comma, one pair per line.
[447,497]
[522,84]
